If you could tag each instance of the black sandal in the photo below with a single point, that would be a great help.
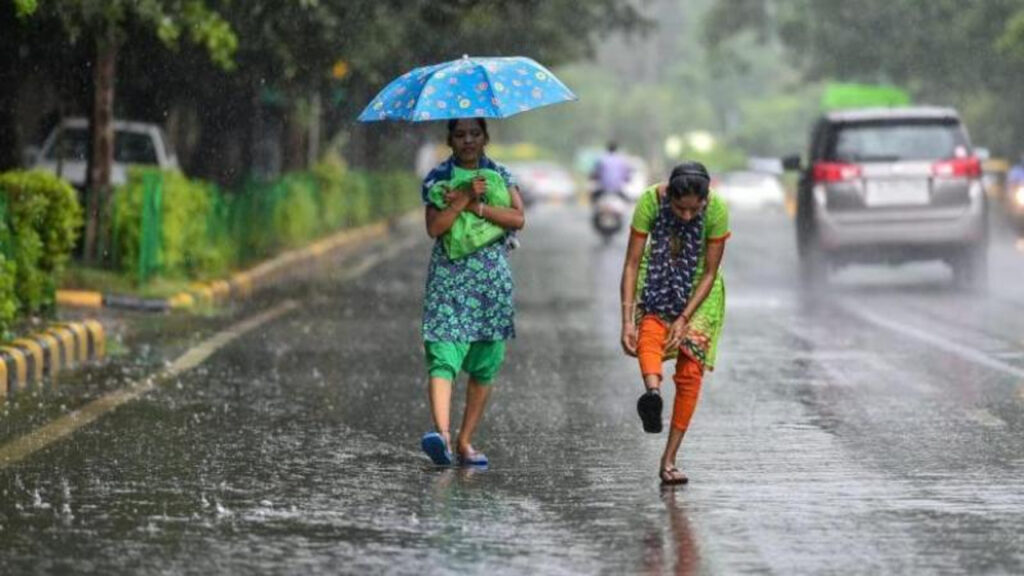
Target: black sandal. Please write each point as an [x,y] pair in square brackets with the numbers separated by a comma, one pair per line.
[672,476]
[649,407]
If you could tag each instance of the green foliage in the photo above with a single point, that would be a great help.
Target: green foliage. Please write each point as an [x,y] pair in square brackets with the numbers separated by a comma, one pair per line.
[947,52]
[8,297]
[357,198]
[43,216]
[205,233]
[25,8]
[110,20]
[296,218]
[186,248]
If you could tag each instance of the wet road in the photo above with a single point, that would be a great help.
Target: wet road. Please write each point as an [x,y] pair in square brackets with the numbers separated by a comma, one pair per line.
[873,428]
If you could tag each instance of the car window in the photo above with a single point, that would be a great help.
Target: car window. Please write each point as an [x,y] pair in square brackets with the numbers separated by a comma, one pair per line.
[129,147]
[134,148]
[890,142]
[71,145]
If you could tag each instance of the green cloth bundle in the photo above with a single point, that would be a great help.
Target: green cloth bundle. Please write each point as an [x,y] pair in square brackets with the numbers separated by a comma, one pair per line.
[470,232]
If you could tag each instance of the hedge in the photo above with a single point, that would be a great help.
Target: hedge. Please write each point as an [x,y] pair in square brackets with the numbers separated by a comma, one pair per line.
[205,231]
[185,246]
[38,229]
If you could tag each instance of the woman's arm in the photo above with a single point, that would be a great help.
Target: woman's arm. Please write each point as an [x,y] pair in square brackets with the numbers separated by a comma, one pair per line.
[440,221]
[627,290]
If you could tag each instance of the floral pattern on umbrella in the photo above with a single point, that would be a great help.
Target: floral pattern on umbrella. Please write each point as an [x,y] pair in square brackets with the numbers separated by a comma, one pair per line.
[468,88]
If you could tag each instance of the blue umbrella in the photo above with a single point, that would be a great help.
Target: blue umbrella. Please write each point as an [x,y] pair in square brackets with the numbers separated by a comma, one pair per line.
[468,88]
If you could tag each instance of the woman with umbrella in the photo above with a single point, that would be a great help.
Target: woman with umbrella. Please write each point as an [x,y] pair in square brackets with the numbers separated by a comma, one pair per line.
[468,306]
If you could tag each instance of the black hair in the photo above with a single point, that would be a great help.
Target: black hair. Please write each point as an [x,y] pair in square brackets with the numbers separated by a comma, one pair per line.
[689,179]
[455,121]
[613,145]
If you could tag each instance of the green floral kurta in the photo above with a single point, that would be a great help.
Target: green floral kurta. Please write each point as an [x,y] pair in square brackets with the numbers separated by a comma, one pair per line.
[469,299]
[701,342]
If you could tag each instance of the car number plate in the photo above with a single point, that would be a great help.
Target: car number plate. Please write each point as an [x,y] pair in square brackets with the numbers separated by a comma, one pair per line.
[896,193]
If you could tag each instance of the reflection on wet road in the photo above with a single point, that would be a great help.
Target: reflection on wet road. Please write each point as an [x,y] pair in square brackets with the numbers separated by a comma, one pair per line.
[875,427]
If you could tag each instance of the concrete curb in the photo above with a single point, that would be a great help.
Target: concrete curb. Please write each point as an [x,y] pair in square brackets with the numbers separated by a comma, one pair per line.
[25,362]
[238,286]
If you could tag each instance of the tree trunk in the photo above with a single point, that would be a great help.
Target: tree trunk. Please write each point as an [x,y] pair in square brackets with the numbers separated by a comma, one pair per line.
[294,141]
[101,159]
[10,143]
[315,118]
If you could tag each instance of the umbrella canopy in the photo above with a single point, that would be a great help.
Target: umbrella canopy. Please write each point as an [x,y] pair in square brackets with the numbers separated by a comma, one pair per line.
[468,88]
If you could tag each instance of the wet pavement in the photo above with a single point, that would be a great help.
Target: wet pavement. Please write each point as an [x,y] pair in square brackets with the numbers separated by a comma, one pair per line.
[874,427]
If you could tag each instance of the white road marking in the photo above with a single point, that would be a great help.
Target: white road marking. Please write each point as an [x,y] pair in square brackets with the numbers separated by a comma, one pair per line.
[961,350]
[20,448]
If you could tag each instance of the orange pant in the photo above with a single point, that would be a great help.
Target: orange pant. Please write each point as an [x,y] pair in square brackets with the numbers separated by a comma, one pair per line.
[650,350]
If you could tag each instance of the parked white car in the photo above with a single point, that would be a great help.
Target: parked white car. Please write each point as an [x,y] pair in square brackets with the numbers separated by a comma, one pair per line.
[746,190]
[65,150]
[543,180]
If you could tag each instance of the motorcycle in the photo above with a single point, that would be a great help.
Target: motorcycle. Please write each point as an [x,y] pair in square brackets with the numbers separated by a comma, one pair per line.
[609,215]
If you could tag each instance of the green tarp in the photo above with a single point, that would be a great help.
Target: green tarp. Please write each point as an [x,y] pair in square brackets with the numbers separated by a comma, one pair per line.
[838,96]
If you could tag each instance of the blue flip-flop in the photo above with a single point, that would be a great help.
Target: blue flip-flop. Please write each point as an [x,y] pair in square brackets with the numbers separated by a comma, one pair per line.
[474,458]
[433,445]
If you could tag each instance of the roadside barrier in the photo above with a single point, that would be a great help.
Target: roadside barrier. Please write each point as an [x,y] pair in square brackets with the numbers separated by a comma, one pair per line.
[27,362]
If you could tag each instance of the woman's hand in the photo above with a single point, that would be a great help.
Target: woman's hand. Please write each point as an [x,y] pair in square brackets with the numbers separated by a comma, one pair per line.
[676,332]
[458,198]
[629,339]
[479,188]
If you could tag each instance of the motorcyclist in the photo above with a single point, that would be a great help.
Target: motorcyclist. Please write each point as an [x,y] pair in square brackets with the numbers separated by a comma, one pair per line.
[611,173]
[1015,177]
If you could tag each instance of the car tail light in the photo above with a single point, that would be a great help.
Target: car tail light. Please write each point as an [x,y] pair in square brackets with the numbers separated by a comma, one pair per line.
[835,172]
[957,168]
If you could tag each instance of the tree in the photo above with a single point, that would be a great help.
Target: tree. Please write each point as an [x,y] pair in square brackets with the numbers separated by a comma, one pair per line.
[104,24]
[966,54]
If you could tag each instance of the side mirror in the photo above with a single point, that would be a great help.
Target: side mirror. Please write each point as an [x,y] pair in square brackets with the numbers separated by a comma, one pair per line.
[791,163]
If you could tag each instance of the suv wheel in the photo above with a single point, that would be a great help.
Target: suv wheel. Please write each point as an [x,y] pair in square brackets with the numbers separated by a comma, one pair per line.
[970,269]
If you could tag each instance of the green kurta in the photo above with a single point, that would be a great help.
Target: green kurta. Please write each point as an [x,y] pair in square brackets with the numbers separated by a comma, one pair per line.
[701,342]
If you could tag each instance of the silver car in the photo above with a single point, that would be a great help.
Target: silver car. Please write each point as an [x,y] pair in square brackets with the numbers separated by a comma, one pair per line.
[891,186]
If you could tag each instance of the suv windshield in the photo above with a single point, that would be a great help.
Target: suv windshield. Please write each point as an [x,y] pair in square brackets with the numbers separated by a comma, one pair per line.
[891,142]
[129,147]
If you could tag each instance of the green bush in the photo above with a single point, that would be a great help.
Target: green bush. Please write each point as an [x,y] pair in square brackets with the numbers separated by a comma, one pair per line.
[297,215]
[42,222]
[357,194]
[331,199]
[186,247]
[8,298]
[205,232]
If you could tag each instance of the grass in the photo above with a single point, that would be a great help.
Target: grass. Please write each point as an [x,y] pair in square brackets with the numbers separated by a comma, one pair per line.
[80,277]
